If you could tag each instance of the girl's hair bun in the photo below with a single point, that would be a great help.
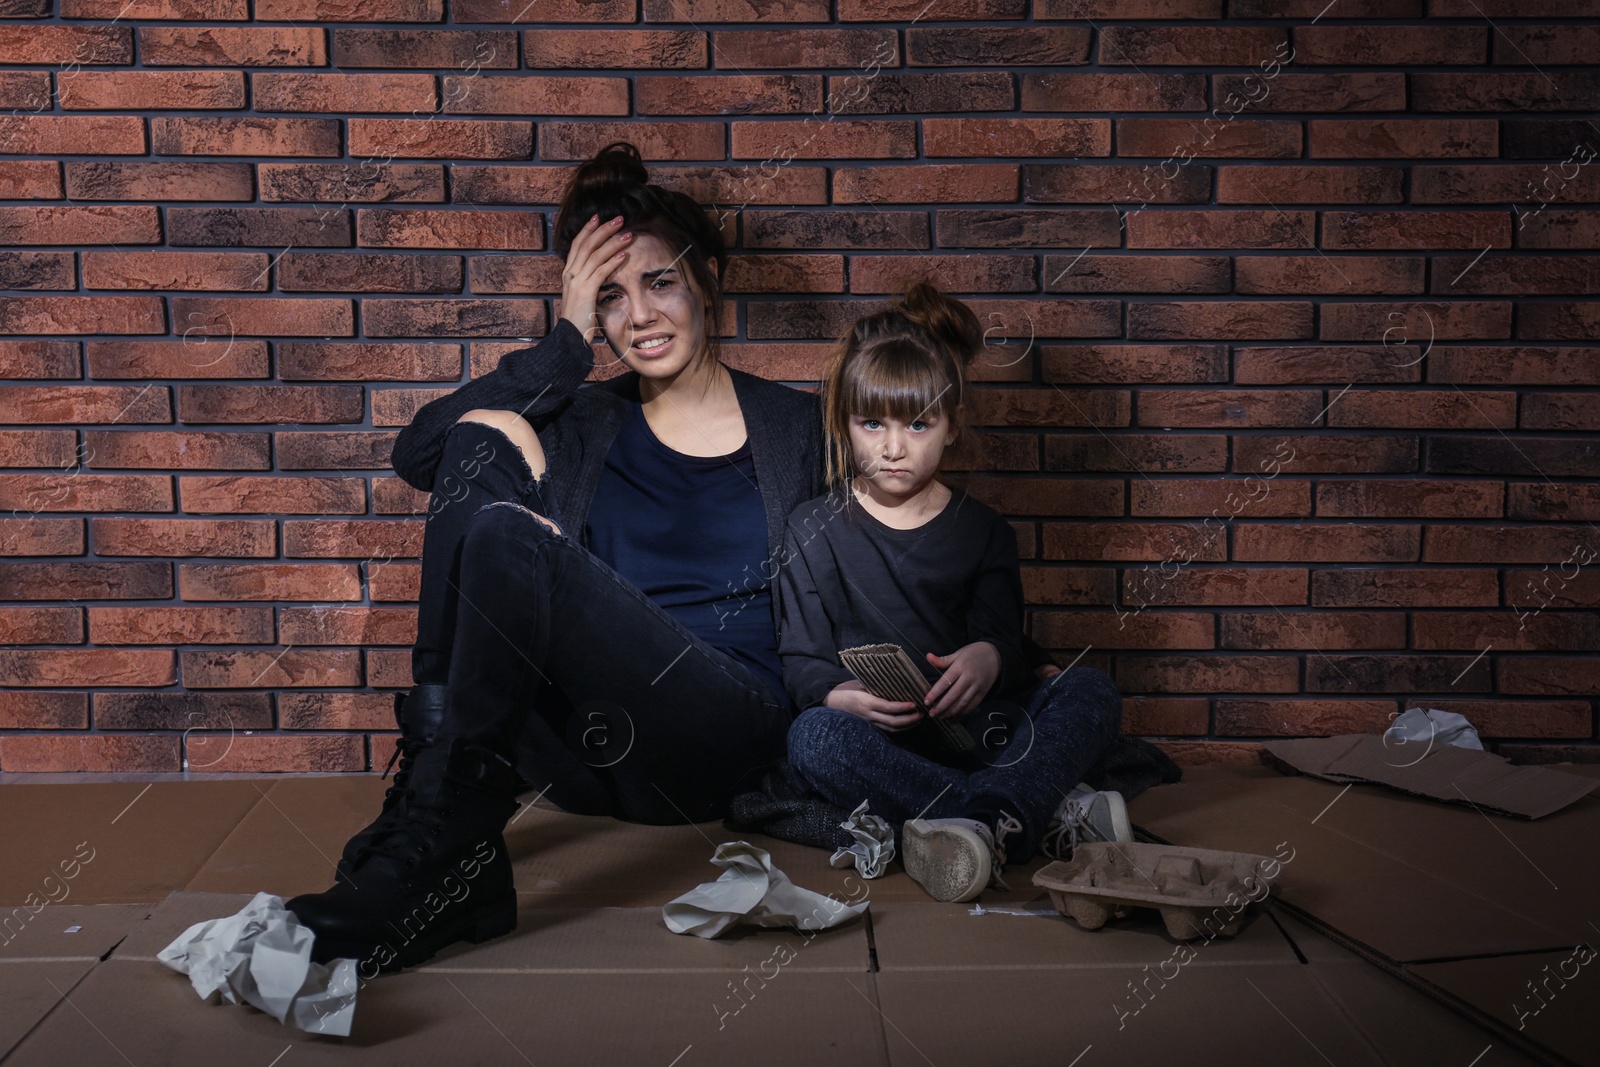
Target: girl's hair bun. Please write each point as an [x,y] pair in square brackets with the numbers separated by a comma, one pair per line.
[947,320]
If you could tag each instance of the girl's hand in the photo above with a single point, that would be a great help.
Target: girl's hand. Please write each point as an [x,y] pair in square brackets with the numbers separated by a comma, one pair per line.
[596,251]
[853,697]
[969,672]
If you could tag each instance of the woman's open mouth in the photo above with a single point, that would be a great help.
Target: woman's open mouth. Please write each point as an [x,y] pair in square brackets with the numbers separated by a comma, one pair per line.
[651,349]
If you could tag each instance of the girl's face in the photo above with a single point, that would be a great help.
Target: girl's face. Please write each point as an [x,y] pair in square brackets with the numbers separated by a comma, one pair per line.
[898,458]
[650,297]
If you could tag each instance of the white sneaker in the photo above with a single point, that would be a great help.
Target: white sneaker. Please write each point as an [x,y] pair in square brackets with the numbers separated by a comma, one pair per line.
[956,859]
[1086,815]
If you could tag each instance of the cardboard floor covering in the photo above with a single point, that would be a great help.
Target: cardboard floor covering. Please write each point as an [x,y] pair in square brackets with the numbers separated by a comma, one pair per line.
[591,975]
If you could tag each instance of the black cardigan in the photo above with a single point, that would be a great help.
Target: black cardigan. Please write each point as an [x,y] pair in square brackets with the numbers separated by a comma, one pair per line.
[577,421]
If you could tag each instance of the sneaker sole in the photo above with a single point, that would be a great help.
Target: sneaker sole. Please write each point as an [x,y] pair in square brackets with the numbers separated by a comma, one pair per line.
[1121,825]
[948,862]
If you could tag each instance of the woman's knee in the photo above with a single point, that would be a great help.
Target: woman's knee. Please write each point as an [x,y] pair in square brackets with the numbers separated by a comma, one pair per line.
[516,428]
[500,530]
[817,738]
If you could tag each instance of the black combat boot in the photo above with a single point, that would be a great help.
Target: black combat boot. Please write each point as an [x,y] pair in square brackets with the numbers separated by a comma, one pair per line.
[434,873]
[418,713]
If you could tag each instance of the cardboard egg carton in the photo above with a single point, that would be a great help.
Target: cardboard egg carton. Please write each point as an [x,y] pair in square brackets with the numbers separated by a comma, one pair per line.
[1196,890]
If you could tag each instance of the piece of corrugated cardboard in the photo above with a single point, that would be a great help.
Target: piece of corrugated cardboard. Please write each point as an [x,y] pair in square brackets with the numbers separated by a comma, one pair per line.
[65,931]
[1337,872]
[1444,772]
[1561,1016]
[30,990]
[125,842]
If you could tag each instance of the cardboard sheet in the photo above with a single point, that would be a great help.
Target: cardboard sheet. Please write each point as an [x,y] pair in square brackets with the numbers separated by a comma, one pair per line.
[1559,1015]
[30,991]
[1443,772]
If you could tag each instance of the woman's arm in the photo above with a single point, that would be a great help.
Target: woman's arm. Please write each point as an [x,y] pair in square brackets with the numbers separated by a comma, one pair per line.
[535,382]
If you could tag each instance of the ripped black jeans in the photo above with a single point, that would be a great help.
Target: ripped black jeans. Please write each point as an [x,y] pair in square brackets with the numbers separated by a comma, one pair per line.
[553,659]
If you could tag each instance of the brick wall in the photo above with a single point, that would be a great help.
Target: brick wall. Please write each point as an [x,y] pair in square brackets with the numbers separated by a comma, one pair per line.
[1290,392]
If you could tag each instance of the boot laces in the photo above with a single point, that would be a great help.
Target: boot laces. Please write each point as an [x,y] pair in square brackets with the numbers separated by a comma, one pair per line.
[1006,824]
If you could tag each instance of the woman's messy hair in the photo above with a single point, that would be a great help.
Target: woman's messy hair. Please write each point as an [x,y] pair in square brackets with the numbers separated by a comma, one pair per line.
[906,361]
[614,182]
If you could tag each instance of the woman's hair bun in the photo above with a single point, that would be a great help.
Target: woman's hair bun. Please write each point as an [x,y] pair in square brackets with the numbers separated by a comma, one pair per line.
[613,181]
[945,318]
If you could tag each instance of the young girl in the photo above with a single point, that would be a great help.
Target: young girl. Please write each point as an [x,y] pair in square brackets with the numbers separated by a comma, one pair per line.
[890,554]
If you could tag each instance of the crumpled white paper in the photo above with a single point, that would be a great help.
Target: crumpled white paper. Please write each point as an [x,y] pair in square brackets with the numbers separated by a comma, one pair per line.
[262,956]
[874,845]
[752,890]
[1431,724]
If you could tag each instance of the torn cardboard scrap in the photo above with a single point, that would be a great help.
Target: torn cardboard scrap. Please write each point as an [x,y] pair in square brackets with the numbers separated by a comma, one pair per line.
[1440,772]
[752,890]
[262,956]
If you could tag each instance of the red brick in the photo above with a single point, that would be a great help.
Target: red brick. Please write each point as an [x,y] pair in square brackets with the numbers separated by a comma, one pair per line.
[984,136]
[30,179]
[32,536]
[155,9]
[1401,138]
[1425,409]
[1148,453]
[1279,320]
[184,711]
[1136,541]
[1010,46]
[1328,454]
[387,139]
[1114,93]
[1208,674]
[966,272]
[1409,498]
[330,538]
[340,450]
[85,403]
[926,183]
[1415,229]
[294,317]
[161,625]
[469,50]
[609,49]
[1391,46]
[186,180]
[77,752]
[389,667]
[1525,589]
[1525,630]
[267,495]
[1552,502]
[1438,587]
[335,711]
[527,94]
[81,314]
[1258,495]
[183,537]
[1523,718]
[1213,753]
[1212,586]
[1179,140]
[849,10]
[38,448]
[175,270]
[198,355]
[1558,229]
[163,449]
[70,224]
[289,227]
[268,581]
[1547,46]
[449,228]
[1517,275]
[37,270]
[1309,92]
[129,90]
[1341,276]
[1314,631]
[232,46]
[1229,407]
[269,403]
[1045,496]
[1319,365]
[25,90]
[350,625]
[702,94]
[43,711]
[395,581]
[397,407]
[41,626]
[1326,542]
[391,496]
[1142,630]
[1128,364]
[1117,183]
[1303,718]
[1550,675]
[87,666]
[361,183]
[245,136]
[660,139]
[224,668]
[1480,91]
[451,318]
[1319,184]
[1129,9]
[1186,46]
[104,135]
[1565,321]
[1525,184]
[370,273]
[39,359]
[74,491]
[1235,228]
[312,360]
[1559,411]
[56,44]
[1507,544]
[295,91]
[1416,322]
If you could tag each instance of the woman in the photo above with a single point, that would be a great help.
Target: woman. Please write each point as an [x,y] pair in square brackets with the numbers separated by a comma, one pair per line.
[596,618]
